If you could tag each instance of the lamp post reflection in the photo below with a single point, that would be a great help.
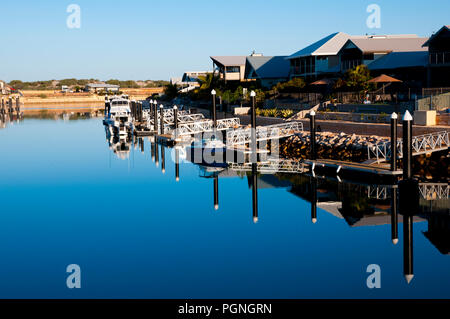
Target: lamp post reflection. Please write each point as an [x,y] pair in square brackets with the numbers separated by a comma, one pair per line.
[177,165]
[163,159]
[394,216]
[216,192]
[314,200]
[255,192]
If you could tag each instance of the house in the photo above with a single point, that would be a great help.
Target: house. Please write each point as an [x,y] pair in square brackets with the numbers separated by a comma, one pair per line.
[319,58]
[438,66]
[98,87]
[407,66]
[267,70]
[230,68]
[2,87]
[367,49]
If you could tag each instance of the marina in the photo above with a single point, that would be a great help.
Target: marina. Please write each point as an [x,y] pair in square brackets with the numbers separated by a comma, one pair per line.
[323,219]
[240,161]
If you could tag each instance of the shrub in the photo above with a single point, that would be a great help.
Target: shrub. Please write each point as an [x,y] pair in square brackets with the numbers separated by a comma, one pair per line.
[286,113]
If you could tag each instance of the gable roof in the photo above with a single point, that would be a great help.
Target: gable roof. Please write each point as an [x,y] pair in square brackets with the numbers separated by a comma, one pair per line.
[268,67]
[396,60]
[229,60]
[444,28]
[373,44]
[330,45]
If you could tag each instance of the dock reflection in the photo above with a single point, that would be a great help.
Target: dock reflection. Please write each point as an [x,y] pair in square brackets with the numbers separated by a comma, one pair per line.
[356,203]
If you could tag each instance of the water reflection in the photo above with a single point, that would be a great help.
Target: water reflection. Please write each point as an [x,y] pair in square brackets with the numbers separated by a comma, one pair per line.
[358,204]
[142,245]
[120,145]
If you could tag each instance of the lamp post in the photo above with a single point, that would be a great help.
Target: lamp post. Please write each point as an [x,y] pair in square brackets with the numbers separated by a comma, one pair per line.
[175,119]
[155,117]
[161,118]
[394,118]
[312,117]
[213,93]
[253,120]
[407,145]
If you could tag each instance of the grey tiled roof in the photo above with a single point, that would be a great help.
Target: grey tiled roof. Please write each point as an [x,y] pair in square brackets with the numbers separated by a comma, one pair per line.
[268,67]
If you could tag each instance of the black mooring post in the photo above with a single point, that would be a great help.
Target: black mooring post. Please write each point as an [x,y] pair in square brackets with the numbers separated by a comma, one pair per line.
[394,216]
[394,121]
[407,145]
[175,120]
[255,192]
[155,118]
[216,192]
[314,200]
[163,159]
[312,117]
[161,124]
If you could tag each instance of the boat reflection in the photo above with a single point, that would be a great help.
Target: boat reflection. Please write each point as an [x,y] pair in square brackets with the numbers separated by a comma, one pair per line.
[120,145]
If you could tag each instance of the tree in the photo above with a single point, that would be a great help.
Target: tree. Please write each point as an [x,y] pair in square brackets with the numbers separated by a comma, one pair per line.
[293,85]
[171,91]
[206,81]
[358,77]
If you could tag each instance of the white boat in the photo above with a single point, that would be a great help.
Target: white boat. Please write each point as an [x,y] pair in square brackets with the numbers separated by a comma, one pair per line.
[118,116]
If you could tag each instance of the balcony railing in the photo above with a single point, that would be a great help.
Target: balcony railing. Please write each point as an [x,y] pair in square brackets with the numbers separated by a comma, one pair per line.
[440,58]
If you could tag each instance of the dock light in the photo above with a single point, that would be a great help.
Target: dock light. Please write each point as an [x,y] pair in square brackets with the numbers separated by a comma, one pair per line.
[312,113]
[216,207]
[213,92]
[252,93]
[161,106]
[314,220]
[255,220]
[394,116]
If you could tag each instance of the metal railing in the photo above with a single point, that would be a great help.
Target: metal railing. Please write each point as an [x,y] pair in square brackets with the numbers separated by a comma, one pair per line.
[198,127]
[434,191]
[263,133]
[422,144]
[272,166]
[427,191]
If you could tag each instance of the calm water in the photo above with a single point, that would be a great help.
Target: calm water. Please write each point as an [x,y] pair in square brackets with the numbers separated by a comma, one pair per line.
[67,198]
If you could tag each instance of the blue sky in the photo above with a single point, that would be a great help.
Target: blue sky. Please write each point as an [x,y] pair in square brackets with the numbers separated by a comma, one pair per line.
[142,40]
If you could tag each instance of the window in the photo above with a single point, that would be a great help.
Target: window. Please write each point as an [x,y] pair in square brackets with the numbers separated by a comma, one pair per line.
[233,69]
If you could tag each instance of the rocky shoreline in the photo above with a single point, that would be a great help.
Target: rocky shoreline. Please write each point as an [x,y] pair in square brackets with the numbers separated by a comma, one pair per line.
[354,148]
[337,146]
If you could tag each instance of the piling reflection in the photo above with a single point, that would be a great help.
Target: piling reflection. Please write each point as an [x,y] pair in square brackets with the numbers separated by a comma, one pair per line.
[356,203]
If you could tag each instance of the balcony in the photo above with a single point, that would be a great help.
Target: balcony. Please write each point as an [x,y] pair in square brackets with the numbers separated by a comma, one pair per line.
[439,58]
[350,64]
